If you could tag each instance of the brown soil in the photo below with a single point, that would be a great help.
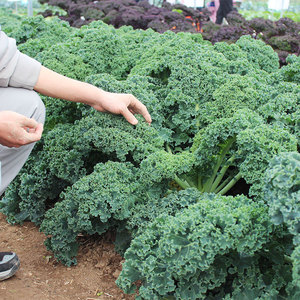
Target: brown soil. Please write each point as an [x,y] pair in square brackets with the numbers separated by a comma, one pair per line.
[41,277]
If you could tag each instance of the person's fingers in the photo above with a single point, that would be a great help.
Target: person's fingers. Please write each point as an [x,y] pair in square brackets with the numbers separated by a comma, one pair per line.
[140,108]
[147,117]
[39,130]
[29,123]
[30,130]
[34,135]
[33,131]
[129,116]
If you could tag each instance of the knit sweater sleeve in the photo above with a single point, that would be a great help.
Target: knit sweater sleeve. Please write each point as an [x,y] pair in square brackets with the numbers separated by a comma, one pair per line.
[16,68]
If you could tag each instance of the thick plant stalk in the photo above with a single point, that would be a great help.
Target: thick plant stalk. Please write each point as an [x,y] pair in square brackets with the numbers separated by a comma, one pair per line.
[235,179]
[200,186]
[224,183]
[222,173]
[209,183]
[182,183]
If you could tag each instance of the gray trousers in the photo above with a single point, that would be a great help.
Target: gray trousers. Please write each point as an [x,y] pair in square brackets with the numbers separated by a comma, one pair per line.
[29,104]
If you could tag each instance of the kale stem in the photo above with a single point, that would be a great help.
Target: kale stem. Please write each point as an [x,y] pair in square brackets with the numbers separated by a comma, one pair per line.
[232,182]
[208,184]
[288,259]
[221,186]
[168,148]
[191,182]
[181,183]
[222,173]
[200,186]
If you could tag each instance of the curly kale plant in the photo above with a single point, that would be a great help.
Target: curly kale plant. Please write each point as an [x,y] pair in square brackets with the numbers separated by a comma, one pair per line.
[294,289]
[223,153]
[178,255]
[281,35]
[92,205]
[194,179]
[9,20]
[64,159]
[282,193]
[39,34]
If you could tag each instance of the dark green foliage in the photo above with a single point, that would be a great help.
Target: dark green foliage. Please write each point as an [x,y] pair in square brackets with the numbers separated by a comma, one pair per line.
[175,255]
[261,56]
[265,275]
[220,114]
[40,190]
[282,192]
[290,72]
[281,35]
[284,111]
[9,21]
[70,151]
[39,34]
[238,147]
[295,285]
[115,137]
[89,205]
[157,203]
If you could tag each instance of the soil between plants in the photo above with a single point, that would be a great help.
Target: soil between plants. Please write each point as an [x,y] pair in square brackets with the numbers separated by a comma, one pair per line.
[41,277]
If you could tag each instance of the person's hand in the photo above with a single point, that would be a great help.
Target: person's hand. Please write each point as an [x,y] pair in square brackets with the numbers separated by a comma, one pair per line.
[124,104]
[55,85]
[17,130]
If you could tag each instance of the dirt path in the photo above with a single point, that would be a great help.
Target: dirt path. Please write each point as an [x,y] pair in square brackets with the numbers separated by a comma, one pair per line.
[42,278]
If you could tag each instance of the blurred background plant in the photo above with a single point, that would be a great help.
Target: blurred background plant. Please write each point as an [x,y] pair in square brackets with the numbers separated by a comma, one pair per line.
[277,27]
[259,9]
[20,7]
[248,8]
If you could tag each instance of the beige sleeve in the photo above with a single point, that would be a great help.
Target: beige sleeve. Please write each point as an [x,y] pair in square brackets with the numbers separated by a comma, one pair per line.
[16,68]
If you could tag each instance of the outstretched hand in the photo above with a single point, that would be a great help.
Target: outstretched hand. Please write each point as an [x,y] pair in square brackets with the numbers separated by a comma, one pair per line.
[123,104]
[17,130]
[56,85]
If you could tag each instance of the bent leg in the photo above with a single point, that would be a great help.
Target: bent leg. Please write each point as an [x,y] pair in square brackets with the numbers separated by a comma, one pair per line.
[226,6]
[29,104]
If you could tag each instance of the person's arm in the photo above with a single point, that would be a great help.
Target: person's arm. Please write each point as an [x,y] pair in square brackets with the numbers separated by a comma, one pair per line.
[52,84]
[21,71]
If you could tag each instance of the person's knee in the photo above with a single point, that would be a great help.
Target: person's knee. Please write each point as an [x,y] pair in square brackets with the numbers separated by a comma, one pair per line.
[22,101]
[39,110]
[36,107]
